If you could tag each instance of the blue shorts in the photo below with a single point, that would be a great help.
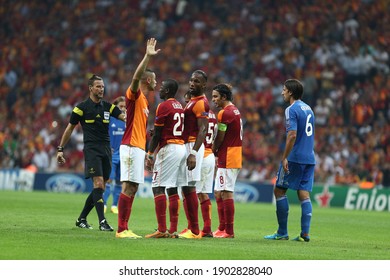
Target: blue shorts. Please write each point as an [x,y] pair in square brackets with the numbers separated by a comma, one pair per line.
[299,177]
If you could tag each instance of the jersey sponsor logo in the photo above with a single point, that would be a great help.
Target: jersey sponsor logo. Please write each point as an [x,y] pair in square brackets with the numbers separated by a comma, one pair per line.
[68,183]
[119,132]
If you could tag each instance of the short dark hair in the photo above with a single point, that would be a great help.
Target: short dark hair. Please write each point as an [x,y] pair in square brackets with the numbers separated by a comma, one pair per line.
[93,79]
[172,85]
[224,90]
[295,87]
[202,73]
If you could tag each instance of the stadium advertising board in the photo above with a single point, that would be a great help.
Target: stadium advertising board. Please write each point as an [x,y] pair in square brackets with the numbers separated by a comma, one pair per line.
[16,179]
[350,198]
[244,191]
[62,182]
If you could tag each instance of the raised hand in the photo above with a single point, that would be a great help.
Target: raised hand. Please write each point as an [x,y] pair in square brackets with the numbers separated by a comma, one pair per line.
[151,47]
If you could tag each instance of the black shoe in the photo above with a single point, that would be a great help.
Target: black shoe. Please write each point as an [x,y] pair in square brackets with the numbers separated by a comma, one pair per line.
[82,223]
[104,226]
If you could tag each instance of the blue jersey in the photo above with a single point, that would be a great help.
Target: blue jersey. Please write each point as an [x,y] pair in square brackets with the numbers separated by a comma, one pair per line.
[300,117]
[116,131]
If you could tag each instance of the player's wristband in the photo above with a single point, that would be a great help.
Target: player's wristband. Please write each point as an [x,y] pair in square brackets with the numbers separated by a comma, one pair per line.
[193,152]
[60,149]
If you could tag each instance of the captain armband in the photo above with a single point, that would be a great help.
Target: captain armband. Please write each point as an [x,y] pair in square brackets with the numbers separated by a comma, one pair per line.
[222,127]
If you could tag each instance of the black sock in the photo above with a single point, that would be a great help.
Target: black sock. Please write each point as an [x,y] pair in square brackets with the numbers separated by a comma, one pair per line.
[97,195]
[87,207]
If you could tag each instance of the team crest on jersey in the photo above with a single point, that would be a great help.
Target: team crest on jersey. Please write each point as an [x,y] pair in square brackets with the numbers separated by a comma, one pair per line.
[106,115]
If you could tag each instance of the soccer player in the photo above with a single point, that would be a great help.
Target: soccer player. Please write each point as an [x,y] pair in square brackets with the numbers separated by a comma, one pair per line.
[228,148]
[94,116]
[195,130]
[169,166]
[116,131]
[205,185]
[296,170]
[132,149]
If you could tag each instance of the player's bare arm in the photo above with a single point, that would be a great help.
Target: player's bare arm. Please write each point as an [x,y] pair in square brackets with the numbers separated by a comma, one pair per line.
[64,140]
[157,131]
[150,51]
[219,138]
[202,124]
[290,140]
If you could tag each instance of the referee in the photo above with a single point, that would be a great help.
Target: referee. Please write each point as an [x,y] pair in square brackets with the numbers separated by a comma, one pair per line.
[94,116]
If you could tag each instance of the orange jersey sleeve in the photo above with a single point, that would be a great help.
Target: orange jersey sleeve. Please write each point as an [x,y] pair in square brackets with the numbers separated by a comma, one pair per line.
[136,118]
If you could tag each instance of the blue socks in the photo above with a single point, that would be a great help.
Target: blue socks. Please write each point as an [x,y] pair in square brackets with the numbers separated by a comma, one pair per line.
[282,208]
[306,207]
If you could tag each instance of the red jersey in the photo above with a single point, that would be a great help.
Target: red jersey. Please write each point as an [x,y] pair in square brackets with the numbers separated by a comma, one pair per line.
[230,152]
[197,107]
[211,132]
[136,117]
[170,115]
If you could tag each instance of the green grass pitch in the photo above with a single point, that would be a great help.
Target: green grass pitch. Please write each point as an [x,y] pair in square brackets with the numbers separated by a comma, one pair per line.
[40,226]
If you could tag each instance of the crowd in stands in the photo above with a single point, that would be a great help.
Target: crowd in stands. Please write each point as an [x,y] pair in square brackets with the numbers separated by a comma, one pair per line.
[338,49]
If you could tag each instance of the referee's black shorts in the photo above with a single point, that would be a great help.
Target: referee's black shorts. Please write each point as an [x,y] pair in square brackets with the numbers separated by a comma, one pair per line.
[97,160]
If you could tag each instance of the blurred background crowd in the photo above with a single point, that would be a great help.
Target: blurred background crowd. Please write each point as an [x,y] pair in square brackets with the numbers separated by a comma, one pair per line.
[338,49]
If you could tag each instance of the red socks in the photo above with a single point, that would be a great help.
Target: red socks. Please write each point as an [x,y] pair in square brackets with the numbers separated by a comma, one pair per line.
[205,207]
[174,201]
[192,207]
[160,202]
[228,205]
[125,204]
[221,214]
[186,212]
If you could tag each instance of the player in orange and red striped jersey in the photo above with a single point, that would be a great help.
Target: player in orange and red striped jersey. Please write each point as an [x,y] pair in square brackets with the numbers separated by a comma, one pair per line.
[195,130]
[132,149]
[228,149]
[205,185]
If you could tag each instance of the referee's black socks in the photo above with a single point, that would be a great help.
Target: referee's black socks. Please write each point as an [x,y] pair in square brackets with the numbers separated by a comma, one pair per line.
[97,196]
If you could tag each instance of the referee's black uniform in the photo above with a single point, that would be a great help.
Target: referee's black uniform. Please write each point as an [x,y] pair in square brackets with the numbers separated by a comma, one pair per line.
[94,119]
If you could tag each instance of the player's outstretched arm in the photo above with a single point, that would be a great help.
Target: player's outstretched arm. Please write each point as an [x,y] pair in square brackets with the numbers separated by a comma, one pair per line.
[150,51]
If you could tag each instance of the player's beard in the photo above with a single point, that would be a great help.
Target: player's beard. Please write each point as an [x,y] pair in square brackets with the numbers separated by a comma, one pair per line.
[195,92]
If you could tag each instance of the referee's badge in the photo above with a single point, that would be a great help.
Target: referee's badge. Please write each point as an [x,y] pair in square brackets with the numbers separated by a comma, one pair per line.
[106,115]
